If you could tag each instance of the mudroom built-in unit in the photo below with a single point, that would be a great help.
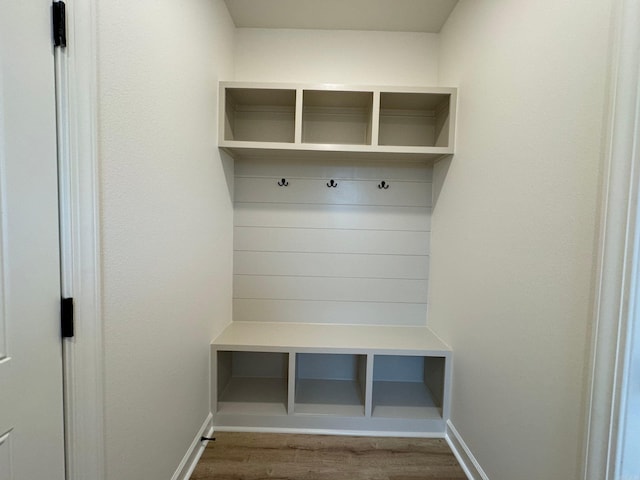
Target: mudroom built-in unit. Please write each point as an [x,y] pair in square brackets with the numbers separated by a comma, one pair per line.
[332,221]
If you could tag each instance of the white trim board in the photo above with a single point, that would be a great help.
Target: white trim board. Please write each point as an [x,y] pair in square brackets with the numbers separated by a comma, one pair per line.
[191,458]
[324,431]
[618,260]
[466,459]
[83,355]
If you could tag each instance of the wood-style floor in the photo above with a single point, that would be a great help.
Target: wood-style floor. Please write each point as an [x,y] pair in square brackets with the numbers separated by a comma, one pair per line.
[257,456]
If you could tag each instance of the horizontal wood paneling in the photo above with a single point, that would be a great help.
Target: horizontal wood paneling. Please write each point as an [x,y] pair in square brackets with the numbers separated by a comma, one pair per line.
[352,254]
[361,217]
[354,313]
[331,241]
[348,192]
[331,265]
[330,288]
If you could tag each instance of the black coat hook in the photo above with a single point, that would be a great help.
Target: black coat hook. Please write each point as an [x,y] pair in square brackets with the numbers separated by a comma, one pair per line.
[332,184]
[283,183]
[382,185]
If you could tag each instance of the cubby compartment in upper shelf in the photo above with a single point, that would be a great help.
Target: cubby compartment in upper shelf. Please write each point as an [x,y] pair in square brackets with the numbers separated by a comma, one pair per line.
[415,119]
[260,114]
[337,117]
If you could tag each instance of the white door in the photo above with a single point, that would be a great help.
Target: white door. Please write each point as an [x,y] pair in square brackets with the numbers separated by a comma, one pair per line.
[31,422]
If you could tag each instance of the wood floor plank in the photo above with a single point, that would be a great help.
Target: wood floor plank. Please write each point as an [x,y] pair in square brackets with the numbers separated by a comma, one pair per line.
[262,456]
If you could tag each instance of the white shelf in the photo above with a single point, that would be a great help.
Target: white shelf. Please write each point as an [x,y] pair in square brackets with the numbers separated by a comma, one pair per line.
[304,151]
[391,123]
[274,336]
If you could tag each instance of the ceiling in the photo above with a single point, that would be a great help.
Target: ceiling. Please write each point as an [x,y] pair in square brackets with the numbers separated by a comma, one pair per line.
[387,15]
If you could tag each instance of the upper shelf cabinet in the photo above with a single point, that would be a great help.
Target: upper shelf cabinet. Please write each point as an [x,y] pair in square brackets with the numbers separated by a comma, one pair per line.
[390,123]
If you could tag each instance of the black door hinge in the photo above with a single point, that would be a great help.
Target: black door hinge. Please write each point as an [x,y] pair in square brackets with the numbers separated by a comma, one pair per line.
[66,318]
[59,24]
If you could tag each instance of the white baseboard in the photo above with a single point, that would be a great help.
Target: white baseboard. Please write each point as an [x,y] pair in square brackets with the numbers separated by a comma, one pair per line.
[317,431]
[190,459]
[468,462]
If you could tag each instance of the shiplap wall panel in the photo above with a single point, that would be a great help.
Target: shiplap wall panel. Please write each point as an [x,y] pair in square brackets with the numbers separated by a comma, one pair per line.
[352,254]
[361,217]
[331,288]
[331,265]
[309,311]
[331,241]
[348,192]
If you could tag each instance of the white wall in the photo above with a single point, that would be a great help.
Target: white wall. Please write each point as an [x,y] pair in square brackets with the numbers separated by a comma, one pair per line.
[515,224]
[166,222]
[343,56]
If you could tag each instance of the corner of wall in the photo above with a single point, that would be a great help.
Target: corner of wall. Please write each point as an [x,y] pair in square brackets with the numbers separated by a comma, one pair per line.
[195,451]
[463,454]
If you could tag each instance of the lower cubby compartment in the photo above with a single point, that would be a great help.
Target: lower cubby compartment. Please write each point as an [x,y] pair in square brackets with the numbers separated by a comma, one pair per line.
[408,386]
[252,382]
[330,384]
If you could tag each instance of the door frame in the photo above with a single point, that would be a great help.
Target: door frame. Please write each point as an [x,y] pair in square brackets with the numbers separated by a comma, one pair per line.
[83,355]
[618,250]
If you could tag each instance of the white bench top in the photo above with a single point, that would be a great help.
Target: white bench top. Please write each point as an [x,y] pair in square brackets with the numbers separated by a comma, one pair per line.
[274,336]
